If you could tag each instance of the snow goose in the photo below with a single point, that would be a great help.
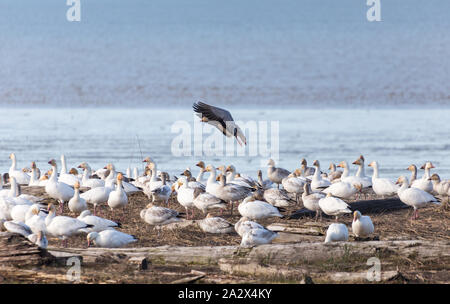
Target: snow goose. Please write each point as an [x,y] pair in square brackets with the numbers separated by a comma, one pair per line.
[127,187]
[293,184]
[58,190]
[86,181]
[245,224]
[361,173]
[110,239]
[214,224]
[17,199]
[343,190]
[206,201]
[98,195]
[221,119]
[118,198]
[39,239]
[35,219]
[63,227]
[421,183]
[318,183]
[336,232]
[255,210]
[333,206]
[440,187]
[201,165]
[230,192]
[275,174]
[21,177]
[257,237]
[278,198]
[191,180]
[34,178]
[307,171]
[238,179]
[99,224]
[362,225]
[212,186]
[382,186]
[185,196]
[18,212]
[162,193]
[311,199]
[17,227]
[334,175]
[159,216]
[65,177]
[346,173]
[76,203]
[414,197]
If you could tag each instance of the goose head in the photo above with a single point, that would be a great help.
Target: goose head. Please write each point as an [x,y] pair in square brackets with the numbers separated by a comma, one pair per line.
[412,168]
[35,209]
[73,171]
[240,135]
[119,177]
[148,159]
[356,215]
[435,178]
[52,162]
[329,194]
[76,185]
[342,164]
[91,237]
[12,156]
[427,165]
[51,208]
[359,161]
[82,166]
[358,186]
[332,167]
[271,163]
[210,168]
[200,164]
[230,168]
[316,163]
[33,166]
[402,180]
[303,162]
[373,164]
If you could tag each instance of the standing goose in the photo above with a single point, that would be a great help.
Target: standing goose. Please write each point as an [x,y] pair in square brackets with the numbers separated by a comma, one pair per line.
[58,190]
[311,199]
[362,225]
[343,190]
[118,198]
[21,177]
[34,178]
[185,196]
[98,195]
[159,216]
[110,239]
[214,224]
[76,203]
[162,193]
[307,171]
[231,193]
[336,232]
[422,184]
[382,186]
[212,186]
[318,183]
[206,201]
[191,180]
[201,165]
[275,174]
[293,184]
[333,206]
[255,210]
[414,197]
[221,119]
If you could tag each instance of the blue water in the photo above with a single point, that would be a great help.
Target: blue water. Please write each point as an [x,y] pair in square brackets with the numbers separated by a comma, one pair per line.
[394,138]
[173,52]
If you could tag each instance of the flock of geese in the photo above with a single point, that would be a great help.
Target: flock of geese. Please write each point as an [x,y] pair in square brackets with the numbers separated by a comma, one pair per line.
[223,189]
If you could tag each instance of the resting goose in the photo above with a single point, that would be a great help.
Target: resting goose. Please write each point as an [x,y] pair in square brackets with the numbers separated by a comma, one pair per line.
[343,190]
[221,119]
[336,232]
[110,239]
[98,223]
[382,186]
[65,177]
[318,183]
[333,206]
[245,224]
[275,174]
[76,203]
[159,216]
[86,181]
[311,199]
[58,190]
[206,201]
[422,184]
[278,198]
[21,177]
[257,237]
[440,187]
[35,219]
[334,175]
[307,171]
[214,224]
[63,227]
[362,225]
[414,197]
[255,210]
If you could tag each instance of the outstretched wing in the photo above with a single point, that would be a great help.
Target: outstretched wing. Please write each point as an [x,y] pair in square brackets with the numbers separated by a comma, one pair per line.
[212,114]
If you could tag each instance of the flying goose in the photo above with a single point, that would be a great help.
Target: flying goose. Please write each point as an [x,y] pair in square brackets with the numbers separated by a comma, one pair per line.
[221,119]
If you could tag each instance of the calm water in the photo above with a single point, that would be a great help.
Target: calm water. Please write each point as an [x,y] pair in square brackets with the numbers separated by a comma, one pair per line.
[165,52]
[392,137]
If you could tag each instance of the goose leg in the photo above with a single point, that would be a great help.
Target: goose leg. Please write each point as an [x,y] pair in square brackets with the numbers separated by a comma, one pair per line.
[231,213]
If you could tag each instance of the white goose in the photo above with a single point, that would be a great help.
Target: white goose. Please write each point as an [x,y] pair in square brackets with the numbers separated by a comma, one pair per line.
[278,198]
[212,186]
[201,165]
[86,181]
[414,197]
[159,216]
[206,201]
[362,225]
[245,224]
[185,196]
[35,219]
[382,186]
[34,178]
[110,239]
[333,206]
[76,203]
[230,192]
[63,227]
[65,177]
[257,237]
[99,224]
[127,187]
[163,192]
[17,227]
[336,232]
[294,184]
[255,210]
[118,198]
[21,177]
[343,190]
[311,199]
[98,195]
[424,183]
[318,183]
[214,224]
[58,190]
[440,187]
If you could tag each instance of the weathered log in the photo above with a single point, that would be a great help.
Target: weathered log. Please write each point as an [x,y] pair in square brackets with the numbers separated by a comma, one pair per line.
[365,207]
